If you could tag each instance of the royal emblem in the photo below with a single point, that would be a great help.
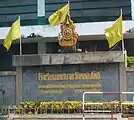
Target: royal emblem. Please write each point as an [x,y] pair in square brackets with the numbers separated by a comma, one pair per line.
[68,36]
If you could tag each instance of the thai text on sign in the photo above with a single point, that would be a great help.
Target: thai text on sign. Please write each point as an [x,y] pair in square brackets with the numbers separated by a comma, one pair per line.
[69,76]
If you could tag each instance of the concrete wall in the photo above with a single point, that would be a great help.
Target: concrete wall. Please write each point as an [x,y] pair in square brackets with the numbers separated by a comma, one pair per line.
[64,117]
[130,82]
[68,58]
[7,88]
[109,64]
[23,84]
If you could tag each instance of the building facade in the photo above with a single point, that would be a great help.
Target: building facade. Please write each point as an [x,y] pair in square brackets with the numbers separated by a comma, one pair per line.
[32,11]
[42,73]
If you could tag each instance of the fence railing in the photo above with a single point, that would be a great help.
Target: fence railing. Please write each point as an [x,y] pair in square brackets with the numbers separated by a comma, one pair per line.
[35,110]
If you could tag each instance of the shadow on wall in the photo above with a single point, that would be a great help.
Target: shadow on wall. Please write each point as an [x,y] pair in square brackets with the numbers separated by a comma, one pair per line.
[5,59]
[6,56]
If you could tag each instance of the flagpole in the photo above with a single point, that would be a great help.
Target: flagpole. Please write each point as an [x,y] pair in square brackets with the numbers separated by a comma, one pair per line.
[20,42]
[69,7]
[20,47]
[123,46]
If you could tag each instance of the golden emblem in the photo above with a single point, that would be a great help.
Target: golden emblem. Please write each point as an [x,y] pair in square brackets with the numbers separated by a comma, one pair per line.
[68,36]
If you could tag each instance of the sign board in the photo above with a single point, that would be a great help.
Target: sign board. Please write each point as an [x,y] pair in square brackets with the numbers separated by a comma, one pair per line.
[68,82]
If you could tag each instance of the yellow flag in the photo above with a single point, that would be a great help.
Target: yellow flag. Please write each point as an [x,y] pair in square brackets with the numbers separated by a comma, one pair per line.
[13,34]
[59,16]
[114,34]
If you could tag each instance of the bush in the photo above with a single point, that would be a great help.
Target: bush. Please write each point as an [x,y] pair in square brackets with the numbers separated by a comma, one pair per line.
[130,61]
[57,107]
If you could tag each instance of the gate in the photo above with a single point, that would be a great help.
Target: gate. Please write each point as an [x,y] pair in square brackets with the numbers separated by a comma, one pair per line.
[106,108]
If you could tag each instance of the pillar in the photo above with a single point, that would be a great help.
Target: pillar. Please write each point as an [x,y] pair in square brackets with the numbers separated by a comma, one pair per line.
[123,81]
[42,47]
[19,83]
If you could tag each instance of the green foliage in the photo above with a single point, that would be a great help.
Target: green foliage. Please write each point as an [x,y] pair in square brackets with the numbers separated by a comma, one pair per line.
[130,61]
[57,107]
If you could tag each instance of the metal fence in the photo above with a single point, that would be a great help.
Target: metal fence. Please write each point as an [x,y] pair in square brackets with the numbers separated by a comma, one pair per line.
[6,110]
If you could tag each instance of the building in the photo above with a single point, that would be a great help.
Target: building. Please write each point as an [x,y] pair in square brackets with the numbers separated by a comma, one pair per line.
[91,18]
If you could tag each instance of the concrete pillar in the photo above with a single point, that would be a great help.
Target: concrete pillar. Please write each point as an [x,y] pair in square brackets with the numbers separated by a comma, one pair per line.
[19,83]
[41,12]
[42,47]
[132,9]
[123,81]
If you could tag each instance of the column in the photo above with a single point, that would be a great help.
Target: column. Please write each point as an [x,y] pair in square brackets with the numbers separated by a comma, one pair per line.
[42,47]
[19,84]
[123,81]
[132,7]
[41,12]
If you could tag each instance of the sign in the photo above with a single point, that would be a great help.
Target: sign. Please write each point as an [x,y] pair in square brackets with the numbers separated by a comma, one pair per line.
[68,82]
[69,76]
[60,88]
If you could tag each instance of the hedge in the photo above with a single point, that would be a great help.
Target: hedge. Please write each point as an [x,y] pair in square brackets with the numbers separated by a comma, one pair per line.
[70,107]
